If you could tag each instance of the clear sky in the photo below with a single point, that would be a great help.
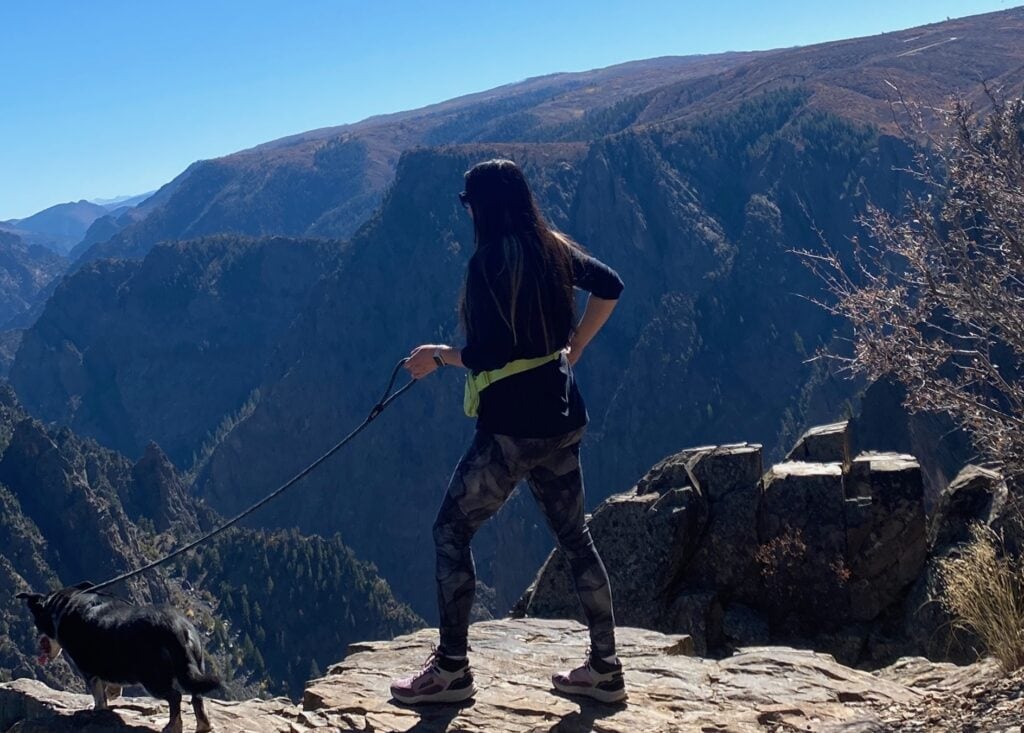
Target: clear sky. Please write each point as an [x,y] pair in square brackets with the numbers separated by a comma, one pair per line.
[105,97]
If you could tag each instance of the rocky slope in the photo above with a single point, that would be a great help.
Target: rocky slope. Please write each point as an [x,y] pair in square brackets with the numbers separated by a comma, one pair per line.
[327,182]
[759,690]
[25,271]
[708,556]
[169,348]
[72,511]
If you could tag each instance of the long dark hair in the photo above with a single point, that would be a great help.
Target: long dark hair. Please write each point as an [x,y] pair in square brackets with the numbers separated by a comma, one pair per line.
[534,278]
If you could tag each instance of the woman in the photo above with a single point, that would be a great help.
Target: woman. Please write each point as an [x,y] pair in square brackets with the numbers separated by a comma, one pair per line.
[521,345]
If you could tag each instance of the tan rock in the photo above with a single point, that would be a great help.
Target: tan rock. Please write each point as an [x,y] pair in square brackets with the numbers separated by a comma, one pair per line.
[760,689]
[28,706]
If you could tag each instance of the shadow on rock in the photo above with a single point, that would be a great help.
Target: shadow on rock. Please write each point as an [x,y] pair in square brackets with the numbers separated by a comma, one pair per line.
[583,720]
[97,721]
[434,718]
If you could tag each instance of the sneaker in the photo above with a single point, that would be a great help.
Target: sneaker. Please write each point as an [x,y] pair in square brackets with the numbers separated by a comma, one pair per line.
[435,683]
[597,678]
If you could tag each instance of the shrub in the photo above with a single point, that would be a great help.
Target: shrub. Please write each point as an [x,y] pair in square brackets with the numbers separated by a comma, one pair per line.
[984,590]
[934,294]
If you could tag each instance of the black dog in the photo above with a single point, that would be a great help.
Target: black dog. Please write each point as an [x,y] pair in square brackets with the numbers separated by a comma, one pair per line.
[114,643]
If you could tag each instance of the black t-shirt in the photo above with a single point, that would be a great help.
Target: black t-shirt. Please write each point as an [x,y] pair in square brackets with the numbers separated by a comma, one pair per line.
[545,401]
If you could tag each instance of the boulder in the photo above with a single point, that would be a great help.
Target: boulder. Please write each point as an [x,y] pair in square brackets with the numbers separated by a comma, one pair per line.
[729,478]
[699,615]
[975,495]
[823,444]
[802,530]
[886,546]
[642,539]
[817,553]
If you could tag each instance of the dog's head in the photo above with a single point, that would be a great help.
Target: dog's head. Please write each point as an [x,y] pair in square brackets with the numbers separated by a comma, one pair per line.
[42,615]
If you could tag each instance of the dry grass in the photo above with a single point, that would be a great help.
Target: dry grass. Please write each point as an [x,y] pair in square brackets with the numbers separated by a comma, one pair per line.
[984,590]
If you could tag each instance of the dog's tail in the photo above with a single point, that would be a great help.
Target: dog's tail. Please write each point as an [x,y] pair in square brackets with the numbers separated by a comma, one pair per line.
[198,682]
[195,675]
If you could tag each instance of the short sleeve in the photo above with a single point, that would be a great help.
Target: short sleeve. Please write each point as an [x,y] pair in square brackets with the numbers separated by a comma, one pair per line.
[592,275]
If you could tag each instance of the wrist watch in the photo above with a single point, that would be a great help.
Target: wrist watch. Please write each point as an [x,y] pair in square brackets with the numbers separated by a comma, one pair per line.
[438,359]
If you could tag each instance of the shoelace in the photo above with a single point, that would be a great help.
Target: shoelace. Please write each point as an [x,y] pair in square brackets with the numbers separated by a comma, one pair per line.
[431,661]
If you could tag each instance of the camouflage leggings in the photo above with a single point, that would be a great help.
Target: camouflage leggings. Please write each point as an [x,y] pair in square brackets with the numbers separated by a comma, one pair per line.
[482,482]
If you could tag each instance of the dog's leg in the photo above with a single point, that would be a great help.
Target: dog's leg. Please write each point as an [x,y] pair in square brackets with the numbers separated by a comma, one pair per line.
[202,722]
[174,726]
[99,693]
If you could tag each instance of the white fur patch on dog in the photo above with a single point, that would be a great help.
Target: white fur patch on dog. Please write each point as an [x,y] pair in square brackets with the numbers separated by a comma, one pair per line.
[49,649]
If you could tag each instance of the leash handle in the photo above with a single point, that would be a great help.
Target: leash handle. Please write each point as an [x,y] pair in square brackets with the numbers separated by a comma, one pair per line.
[385,399]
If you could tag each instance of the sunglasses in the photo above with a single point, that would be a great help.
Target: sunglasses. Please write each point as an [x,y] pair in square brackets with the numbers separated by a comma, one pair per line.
[464,199]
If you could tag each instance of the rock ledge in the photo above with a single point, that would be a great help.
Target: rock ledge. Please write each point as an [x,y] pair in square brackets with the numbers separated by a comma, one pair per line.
[759,689]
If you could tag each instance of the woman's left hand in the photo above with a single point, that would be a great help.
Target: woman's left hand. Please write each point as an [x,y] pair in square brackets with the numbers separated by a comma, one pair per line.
[421,360]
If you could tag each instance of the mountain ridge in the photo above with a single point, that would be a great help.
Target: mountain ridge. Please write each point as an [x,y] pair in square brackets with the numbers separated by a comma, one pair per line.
[695,192]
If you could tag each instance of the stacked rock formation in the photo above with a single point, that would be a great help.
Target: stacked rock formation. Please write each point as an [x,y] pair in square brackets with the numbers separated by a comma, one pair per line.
[820,550]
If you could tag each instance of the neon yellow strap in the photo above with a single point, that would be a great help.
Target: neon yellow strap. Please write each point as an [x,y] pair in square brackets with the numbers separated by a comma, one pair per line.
[477,383]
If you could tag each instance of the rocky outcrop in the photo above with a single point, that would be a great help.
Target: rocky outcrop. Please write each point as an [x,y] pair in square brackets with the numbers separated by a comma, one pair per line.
[762,689]
[823,444]
[158,494]
[976,496]
[706,545]
[883,423]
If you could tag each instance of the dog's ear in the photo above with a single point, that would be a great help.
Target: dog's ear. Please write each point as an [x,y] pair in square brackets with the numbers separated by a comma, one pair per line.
[35,600]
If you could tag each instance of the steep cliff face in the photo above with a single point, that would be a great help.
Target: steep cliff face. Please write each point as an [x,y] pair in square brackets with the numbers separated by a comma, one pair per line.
[167,348]
[25,270]
[708,342]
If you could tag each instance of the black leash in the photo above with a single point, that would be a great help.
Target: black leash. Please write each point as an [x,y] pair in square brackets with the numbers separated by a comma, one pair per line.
[386,399]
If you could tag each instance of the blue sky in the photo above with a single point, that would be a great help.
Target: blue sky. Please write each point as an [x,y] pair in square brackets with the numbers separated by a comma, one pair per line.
[109,97]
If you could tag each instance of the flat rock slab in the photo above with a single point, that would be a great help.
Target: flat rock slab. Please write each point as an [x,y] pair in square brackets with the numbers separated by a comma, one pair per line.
[28,706]
[668,691]
[760,689]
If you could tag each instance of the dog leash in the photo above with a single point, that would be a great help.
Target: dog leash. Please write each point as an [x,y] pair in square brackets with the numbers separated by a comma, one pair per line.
[386,399]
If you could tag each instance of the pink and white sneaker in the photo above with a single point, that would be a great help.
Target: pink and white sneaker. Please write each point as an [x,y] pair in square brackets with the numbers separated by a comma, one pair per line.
[441,680]
[597,678]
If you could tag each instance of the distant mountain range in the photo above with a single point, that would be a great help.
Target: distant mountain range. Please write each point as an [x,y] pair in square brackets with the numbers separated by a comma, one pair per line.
[62,226]
[246,314]
[123,201]
[59,227]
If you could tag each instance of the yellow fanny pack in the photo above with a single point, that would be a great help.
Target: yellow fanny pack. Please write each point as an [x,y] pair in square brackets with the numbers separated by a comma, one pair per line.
[477,383]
